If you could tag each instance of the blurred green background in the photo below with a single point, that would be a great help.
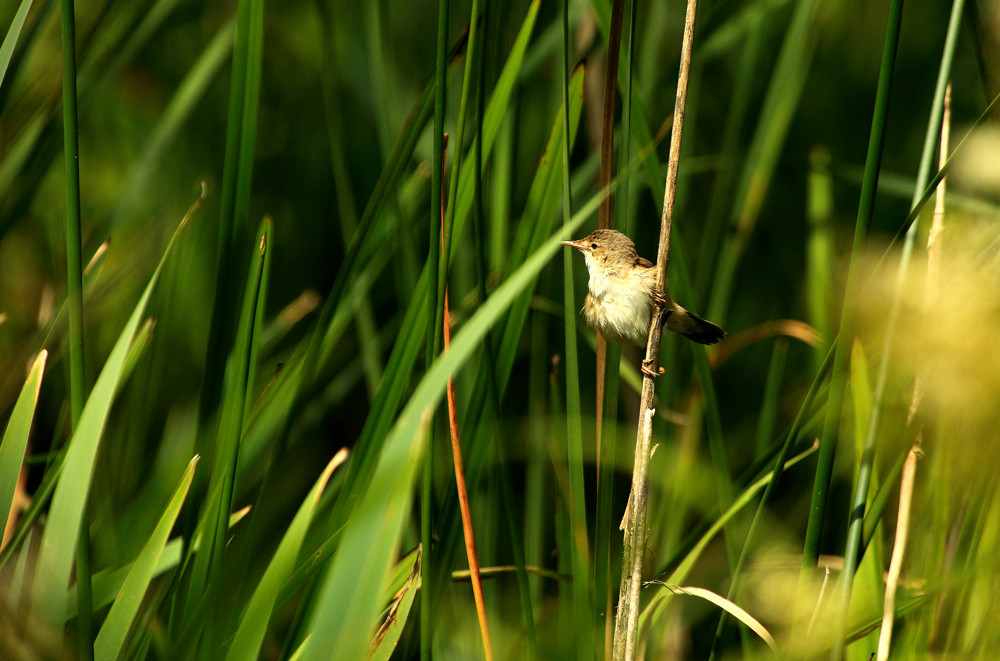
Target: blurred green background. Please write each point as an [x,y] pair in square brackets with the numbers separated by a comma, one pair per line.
[778,123]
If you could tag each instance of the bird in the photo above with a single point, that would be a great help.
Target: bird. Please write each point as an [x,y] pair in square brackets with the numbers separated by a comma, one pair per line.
[621,294]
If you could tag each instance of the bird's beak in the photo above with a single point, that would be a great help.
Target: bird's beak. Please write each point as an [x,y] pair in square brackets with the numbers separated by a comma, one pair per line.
[579,245]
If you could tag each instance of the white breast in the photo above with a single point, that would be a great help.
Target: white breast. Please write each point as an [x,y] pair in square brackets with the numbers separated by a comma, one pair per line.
[619,307]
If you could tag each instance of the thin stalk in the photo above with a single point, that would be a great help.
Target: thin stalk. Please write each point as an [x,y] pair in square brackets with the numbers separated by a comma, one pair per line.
[819,261]
[463,501]
[74,249]
[605,216]
[577,502]
[433,258]
[824,464]
[852,554]
[74,295]
[449,219]
[610,354]
[627,618]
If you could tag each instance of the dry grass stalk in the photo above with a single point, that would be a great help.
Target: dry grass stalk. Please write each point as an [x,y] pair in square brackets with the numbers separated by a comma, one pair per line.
[627,617]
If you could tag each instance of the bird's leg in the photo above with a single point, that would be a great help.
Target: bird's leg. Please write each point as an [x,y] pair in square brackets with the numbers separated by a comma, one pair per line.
[647,365]
[647,368]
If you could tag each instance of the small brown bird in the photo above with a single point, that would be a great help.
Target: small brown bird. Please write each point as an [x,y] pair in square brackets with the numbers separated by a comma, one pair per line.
[620,299]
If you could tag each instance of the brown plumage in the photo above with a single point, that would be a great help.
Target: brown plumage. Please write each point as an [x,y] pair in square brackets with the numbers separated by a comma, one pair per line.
[620,297]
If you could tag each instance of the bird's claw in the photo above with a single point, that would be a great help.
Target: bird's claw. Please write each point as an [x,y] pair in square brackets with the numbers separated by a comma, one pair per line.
[660,301]
[647,368]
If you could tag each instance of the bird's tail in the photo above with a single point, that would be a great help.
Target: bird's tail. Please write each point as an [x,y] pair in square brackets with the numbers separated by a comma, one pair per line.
[689,325]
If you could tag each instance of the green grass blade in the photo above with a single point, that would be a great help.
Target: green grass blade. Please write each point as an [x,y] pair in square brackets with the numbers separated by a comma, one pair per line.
[437,268]
[182,105]
[496,110]
[15,436]
[69,499]
[111,638]
[253,623]
[74,241]
[539,213]
[241,133]
[108,582]
[820,251]
[10,40]
[400,364]
[234,404]
[580,550]
[824,468]
[783,94]
[355,577]
[866,469]
[348,601]
[401,602]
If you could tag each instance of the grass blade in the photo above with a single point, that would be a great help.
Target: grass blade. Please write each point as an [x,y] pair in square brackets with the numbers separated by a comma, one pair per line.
[234,404]
[577,499]
[15,436]
[241,133]
[399,610]
[10,40]
[111,638]
[253,624]
[70,496]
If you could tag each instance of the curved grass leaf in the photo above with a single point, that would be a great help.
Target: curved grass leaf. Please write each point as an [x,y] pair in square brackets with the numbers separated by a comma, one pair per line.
[15,437]
[111,637]
[659,601]
[746,618]
[60,536]
[348,601]
[253,624]
[405,352]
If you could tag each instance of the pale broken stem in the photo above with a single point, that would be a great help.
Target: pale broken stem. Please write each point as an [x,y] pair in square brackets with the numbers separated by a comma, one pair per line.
[627,618]
[819,600]
[898,549]
[910,466]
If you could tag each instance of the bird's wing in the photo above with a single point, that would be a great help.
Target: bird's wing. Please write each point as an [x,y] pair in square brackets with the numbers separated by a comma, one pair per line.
[643,262]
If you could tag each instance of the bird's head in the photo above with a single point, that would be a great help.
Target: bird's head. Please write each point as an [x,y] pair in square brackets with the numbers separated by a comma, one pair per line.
[604,248]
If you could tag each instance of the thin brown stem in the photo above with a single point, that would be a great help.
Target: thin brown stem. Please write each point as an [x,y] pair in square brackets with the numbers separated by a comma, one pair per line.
[627,618]
[456,453]
[463,502]
[605,211]
[910,466]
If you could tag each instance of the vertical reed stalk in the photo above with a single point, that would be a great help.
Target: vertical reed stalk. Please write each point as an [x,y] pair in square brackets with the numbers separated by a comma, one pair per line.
[627,618]
[852,552]
[74,295]
[577,505]
[433,258]
[824,466]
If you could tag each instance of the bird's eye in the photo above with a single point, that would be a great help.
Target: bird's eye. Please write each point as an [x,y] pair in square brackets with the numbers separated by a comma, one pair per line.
[593,246]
